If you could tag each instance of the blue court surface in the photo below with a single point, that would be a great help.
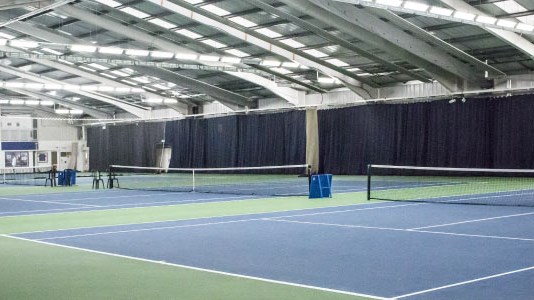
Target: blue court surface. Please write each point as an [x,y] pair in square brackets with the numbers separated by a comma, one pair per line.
[384,249]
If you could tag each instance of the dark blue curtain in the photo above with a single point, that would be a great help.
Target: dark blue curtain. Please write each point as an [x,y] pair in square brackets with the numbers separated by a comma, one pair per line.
[491,133]
[132,145]
[238,141]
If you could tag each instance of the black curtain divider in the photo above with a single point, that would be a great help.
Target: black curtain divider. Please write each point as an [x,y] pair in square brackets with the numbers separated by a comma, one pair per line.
[131,144]
[485,133]
[238,141]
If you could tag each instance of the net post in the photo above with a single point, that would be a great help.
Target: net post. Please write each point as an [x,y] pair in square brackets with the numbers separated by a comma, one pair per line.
[369,182]
[110,179]
[193,180]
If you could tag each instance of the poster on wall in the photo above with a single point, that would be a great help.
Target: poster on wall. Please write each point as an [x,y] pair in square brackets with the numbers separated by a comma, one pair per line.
[42,157]
[17,159]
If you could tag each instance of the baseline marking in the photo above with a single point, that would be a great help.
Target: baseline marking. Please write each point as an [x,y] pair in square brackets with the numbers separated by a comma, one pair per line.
[49,202]
[473,221]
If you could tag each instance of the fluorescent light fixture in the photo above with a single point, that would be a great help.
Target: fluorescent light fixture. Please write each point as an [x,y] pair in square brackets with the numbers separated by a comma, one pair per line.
[62,111]
[134,12]
[72,87]
[315,53]
[65,62]
[292,43]
[525,27]
[34,86]
[135,52]
[32,102]
[290,65]
[464,15]
[16,85]
[194,1]
[138,90]
[16,102]
[89,88]
[215,10]
[52,93]
[486,20]
[129,82]
[53,86]
[416,6]
[162,23]
[123,90]
[110,50]
[105,88]
[75,98]
[161,87]
[506,23]
[209,58]
[237,53]
[108,75]
[214,43]
[232,60]
[76,112]
[243,22]
[282,71]
[23,44]
[336,62]
[3,42]
[83,48]
[189,33]
[7,36]
[97,66]
[268,33]
[3,101]
[109,3]
[271,63]
[170,101]
[87,68]
[119,73]
[153,100]
[47,103]
[161,54]
[185,56]
[441,11]
[328,80]
[52,51]
[150,89]
[396,3]
[141,79]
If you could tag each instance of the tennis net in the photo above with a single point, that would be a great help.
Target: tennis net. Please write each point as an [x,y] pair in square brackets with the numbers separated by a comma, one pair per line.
[25,175]
[508,187]
[290,180]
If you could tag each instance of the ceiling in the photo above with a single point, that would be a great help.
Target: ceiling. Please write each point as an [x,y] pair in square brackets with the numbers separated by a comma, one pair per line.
[104,57]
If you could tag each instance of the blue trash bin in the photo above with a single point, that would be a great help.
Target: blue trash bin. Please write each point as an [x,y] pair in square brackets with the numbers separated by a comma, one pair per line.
[321,186]
[60,178]
[70,177]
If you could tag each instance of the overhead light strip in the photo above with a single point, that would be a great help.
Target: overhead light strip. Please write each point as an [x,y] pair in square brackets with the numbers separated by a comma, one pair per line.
[452,15]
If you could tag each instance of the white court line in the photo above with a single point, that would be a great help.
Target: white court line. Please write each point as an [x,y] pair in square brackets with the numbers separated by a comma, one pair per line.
[401,229]
[114,207]
[178,220]
[464,282]
[49,202]
[473,221]
[202,269]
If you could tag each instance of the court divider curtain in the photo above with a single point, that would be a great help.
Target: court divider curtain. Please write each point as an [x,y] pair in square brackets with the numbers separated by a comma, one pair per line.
[131,144]
[486,133]
[238,141]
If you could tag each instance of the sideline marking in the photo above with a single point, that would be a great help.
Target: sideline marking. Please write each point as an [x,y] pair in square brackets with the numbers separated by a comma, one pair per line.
[473,221]
[201,269]
[464,282]
[49,202]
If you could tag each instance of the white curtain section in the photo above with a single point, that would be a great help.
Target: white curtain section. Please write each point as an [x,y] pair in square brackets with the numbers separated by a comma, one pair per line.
[73,157]
[312,140]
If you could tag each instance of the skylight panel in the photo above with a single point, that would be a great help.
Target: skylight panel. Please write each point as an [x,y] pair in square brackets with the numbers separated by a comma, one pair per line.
[108,75]
[215,10]
[86,68]
[214,43]
[315,53]
[141,79]
[189,33]
[237,53]
[134,12]
[194,1]
[268,33]
[242,21]
[162,23]
[510,6]
[337,62]
[292,43]
[129,82]
[281,71]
